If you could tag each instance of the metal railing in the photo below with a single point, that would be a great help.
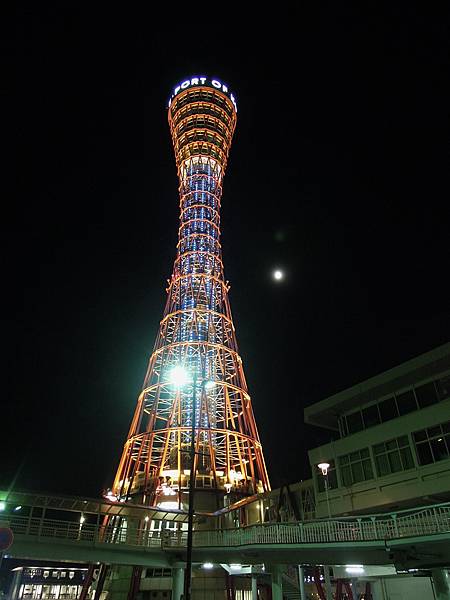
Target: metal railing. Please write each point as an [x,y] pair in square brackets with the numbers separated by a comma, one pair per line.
[131,532]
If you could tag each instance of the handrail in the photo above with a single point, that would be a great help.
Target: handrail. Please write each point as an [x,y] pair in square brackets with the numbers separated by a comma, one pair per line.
[134,532]
[106,507]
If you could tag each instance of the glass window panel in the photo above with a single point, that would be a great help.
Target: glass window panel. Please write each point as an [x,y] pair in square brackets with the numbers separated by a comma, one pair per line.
[346,476]
[420,435]
[378,449]
[426,395]
[357,472]
[364,453]
[388,409]
[394,461]
[391,445]
[439,448]
[354,456]
[406,402]
[367,466]
[371,416]
[332,479]
[407,459]
[343,460]
[443,387]
[382,465]
[424,455]
[343,425]
[403,441]
[354,422]
[434,431]
[446,427]
[320,482]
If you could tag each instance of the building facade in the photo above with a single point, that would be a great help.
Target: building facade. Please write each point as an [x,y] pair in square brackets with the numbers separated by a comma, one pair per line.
[393,449]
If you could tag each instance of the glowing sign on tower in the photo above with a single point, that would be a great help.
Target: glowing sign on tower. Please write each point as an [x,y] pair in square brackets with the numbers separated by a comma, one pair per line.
[203,81]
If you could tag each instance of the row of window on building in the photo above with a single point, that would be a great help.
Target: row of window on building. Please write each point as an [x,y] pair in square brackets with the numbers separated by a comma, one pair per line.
[431,445]
[397,405]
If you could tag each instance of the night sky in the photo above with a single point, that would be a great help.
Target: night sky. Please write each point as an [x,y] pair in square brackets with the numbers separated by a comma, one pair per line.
[338,174]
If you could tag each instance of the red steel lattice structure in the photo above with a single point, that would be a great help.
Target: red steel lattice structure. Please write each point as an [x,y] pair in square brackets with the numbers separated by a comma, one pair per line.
[196,333]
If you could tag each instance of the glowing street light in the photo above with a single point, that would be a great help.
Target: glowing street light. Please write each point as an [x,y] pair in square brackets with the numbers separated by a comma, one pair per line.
[324,466]
[179,376]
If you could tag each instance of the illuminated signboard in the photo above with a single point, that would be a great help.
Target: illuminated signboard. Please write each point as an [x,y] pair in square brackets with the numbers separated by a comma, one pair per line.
[194,81]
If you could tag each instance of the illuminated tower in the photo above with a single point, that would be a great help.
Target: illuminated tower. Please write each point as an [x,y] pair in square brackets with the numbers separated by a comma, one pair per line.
[196,336]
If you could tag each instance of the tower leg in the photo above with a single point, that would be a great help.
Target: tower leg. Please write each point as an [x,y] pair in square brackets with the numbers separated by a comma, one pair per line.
[177,583]
[100,581]
[87,582]
[441,584]
[135,582]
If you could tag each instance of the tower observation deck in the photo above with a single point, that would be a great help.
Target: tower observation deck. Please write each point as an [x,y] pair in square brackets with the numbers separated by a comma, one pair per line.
[196,334]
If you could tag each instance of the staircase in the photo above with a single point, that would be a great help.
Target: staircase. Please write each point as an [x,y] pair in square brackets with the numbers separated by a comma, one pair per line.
[290,590]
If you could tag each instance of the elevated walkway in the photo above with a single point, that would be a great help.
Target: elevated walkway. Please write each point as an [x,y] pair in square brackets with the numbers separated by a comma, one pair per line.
[73,529]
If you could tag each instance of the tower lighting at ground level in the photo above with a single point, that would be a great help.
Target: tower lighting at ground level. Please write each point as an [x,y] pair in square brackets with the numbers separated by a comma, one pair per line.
[2,506]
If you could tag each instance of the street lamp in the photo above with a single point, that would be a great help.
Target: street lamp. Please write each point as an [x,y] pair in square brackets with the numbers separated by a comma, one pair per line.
[179,376]
[324,466]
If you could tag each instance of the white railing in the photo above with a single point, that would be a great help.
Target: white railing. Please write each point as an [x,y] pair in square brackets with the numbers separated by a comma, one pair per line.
[423,522]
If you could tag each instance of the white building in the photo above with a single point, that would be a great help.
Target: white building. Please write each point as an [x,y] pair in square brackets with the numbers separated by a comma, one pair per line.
[394,445]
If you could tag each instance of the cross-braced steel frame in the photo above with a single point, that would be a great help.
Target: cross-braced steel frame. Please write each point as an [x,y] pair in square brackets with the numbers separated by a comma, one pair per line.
[197,333]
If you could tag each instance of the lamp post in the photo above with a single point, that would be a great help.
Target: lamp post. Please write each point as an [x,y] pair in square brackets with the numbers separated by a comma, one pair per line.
[324,466]
[188,573]
[180,376]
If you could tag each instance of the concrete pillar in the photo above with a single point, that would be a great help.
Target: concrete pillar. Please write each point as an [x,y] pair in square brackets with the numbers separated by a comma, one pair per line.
[177,583]
[301,582]
[328,588]
[441,583]
[277,583]
[254,587]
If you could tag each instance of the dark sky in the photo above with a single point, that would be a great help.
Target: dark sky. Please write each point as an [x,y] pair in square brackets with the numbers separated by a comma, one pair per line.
[338,174]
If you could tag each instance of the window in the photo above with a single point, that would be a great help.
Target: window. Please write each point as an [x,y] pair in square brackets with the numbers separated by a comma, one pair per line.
[354,422]
[443,387]
[402,403]
[432,444]
[392,456]
[342,426]
[371,416]
[426,394]
[355,467]
[331,477]
[406,402]
[388,409]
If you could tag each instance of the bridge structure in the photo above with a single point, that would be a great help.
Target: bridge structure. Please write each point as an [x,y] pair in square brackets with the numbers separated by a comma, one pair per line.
[98,531]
